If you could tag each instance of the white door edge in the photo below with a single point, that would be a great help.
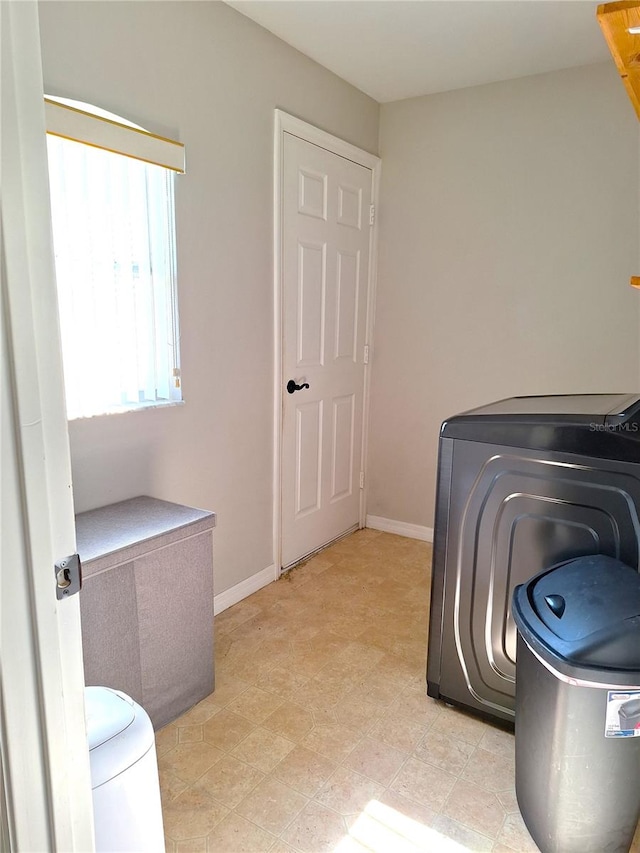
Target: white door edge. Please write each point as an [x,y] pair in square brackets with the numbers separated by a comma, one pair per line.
[46,785]
[286,123]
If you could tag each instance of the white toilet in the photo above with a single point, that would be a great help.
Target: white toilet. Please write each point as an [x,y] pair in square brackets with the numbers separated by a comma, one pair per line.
[124,774]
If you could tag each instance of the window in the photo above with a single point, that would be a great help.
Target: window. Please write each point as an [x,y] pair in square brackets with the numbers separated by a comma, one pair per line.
[114,243]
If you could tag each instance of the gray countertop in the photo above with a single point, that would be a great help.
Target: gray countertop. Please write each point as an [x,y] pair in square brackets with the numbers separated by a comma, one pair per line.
[121,531]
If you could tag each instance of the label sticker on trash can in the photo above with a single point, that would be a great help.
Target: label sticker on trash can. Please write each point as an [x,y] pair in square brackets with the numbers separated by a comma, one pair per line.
[623,713]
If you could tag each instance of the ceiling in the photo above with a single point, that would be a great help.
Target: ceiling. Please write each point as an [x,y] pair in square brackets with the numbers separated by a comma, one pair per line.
[395,49]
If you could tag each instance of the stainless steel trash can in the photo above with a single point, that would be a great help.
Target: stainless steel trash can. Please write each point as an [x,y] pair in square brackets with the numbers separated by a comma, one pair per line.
[578,705]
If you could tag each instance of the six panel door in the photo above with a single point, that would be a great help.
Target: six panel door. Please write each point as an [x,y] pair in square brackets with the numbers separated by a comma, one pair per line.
[326,235]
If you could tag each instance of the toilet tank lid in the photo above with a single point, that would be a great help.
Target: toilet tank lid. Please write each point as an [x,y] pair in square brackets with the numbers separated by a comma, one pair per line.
[107,713]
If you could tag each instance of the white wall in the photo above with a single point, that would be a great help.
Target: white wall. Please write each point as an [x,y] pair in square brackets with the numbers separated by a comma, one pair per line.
[508,232]
[209,76]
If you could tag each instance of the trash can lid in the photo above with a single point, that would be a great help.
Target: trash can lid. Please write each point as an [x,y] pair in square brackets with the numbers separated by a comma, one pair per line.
[119,733]
[107,714]
[584,613]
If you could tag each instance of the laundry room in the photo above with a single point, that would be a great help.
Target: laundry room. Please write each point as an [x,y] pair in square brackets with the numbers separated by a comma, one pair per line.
[482,160]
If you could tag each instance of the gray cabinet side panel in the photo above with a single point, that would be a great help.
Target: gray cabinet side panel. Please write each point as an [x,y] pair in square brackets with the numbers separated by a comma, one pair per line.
[175,615]
[110,631]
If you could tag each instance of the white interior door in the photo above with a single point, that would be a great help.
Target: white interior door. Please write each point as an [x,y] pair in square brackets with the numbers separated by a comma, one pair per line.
[44,759]
[326,234]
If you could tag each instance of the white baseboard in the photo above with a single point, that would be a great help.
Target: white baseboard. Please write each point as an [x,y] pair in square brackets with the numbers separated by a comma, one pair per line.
[401,528]
[241,590]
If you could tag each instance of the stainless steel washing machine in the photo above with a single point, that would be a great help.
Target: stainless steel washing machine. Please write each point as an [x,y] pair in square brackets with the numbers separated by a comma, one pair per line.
[523,484]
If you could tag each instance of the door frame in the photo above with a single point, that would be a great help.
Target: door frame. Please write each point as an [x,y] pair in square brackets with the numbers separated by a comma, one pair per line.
[286,123]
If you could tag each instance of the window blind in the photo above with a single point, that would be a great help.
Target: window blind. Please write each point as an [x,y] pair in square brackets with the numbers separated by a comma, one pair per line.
[114,242]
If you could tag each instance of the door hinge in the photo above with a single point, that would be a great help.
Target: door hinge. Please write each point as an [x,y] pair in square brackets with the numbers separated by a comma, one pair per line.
[372,214]
[362,479]
[68,574]
[366,353]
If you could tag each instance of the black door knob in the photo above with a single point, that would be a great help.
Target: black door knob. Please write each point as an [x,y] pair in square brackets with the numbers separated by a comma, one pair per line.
[292,387]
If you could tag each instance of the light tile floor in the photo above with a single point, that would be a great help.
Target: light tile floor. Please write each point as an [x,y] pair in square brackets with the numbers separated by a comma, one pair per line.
[320,736]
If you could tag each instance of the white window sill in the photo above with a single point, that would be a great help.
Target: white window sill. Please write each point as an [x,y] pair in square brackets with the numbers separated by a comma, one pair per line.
[130,407]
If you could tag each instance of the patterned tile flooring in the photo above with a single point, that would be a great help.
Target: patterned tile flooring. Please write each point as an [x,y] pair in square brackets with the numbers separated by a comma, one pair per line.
[320,738]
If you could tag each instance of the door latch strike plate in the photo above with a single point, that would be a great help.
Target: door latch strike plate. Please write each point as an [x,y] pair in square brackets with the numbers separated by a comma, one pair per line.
[68,572]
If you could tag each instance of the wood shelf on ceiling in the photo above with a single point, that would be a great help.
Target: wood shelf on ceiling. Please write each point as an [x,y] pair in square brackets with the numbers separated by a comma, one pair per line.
[616,19]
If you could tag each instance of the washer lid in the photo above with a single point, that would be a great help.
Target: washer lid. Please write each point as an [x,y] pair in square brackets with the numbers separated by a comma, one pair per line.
[558,408]
[604,426]
[107,714]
